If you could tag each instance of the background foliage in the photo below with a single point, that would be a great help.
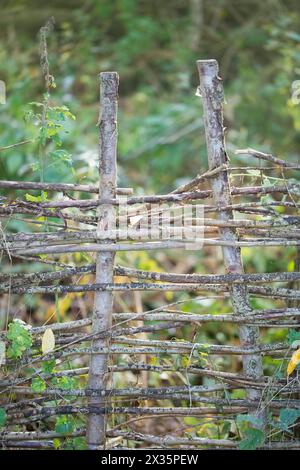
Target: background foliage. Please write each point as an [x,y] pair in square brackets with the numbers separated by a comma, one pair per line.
[153,46]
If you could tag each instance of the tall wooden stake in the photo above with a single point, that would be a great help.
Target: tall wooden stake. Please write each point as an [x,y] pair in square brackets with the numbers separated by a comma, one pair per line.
[211,90]
[102,316]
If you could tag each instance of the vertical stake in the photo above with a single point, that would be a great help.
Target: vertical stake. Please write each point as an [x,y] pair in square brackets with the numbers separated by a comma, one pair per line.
[103,301]
[211,90]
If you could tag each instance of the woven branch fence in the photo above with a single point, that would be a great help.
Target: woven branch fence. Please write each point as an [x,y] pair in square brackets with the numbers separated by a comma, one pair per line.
[101,348]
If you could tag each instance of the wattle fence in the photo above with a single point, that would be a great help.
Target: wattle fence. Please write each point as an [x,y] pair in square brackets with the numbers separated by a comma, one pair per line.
[64,380]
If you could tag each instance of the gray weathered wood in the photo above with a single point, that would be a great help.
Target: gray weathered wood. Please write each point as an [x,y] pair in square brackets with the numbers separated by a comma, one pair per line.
[211,90]
[102,316]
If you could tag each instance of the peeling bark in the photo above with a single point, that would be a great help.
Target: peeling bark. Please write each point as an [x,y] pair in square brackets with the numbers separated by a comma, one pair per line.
[211,90]
[102,316]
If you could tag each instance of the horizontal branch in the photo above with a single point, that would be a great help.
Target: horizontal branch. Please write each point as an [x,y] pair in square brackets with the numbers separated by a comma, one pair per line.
[292,188]
[37,435]
[61,187]
[169,441]
[156,347]
[155,245]
[163,313]
[198,179]
[268,157]
[15,280]
[237,406]
[17,144]
[163,393]
[138,286]
[209,278]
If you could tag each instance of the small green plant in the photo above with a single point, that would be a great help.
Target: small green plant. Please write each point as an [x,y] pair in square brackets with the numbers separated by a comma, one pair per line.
[253,435]
[38,384]
[19,339]
[48,366]
[65,383]
[253,439]
[50,120]
[287,417]
[64,424]
[76,443]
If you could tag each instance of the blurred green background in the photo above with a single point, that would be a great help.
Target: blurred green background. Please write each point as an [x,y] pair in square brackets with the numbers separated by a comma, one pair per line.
[153,46]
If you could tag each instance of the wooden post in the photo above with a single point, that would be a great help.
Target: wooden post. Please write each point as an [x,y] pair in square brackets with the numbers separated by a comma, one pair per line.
[102,316]
[211,90]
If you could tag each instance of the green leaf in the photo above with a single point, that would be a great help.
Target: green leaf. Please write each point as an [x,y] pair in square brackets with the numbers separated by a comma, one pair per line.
[59,153]
[254,439]
[38,384]
[293,336]
[42,135]
[31,198]
[251,419]
[62,155]
[56,138]
[77,443]
[64,425]
[3,417]
[48,366]
[202,348]
[35,166]
[288,416]
[66,383]
[59,113]
[185,361]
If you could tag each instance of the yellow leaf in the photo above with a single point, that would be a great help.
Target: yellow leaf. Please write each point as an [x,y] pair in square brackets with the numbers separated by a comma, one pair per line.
[185,361]
[48,341]
[56,443]
[153,361]
[169,296]
[295,359]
